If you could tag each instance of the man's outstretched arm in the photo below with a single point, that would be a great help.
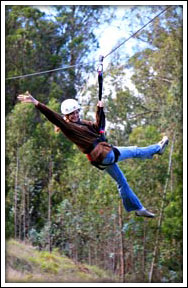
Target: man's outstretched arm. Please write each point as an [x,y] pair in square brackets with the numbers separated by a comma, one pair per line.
[51,115]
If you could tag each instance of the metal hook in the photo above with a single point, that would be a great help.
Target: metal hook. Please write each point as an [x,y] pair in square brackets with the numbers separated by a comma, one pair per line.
[100,65]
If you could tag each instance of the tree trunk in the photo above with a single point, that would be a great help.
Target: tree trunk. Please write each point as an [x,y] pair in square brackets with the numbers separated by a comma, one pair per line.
[49,205]
[16,198]
[28,211]
[114,249]
[20,220]
[161,214]
[122,262]
[24,210]
[76,247]
[144,251]
[89,253]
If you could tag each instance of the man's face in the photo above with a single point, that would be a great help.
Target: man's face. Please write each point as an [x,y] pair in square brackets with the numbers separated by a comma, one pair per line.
[74,116]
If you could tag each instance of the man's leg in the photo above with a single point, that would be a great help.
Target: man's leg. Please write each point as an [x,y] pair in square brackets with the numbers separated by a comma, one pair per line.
[143,152]
[130,200]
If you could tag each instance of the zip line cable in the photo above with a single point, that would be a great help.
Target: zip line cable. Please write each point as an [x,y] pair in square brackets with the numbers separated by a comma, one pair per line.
[81,64]
[47,71]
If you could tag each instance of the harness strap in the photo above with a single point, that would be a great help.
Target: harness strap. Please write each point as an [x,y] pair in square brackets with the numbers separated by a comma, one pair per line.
[116,153]
[100,81]
[103,166]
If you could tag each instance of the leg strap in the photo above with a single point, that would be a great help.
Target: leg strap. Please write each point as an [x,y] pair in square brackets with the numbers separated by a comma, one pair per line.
[103,166]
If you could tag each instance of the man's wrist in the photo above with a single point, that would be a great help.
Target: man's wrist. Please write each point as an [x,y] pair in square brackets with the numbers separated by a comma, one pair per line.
[35,102]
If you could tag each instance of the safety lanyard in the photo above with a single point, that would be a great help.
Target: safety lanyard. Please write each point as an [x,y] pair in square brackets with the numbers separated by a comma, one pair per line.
[100,76]
[100,82]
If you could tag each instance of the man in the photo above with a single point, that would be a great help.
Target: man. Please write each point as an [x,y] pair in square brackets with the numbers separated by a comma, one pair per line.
[88,136]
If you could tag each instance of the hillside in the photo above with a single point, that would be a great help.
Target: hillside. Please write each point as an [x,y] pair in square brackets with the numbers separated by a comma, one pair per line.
[24,263]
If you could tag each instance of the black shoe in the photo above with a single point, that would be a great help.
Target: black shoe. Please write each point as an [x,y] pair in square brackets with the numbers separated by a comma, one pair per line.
[144,213]
[163,143]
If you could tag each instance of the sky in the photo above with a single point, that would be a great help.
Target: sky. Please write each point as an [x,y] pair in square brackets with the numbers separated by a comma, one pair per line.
[103,32]
[117,30]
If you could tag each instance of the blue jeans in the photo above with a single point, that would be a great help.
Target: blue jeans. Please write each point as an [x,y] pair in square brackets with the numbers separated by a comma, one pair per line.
[129,198]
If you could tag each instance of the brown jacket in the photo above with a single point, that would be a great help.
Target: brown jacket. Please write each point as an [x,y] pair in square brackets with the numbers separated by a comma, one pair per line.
[83,133]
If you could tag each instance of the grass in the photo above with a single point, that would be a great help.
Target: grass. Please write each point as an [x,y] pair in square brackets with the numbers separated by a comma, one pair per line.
[25,264]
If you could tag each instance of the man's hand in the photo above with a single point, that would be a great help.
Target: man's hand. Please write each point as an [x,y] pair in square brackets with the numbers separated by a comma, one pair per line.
[27,98]
[100,104]
[56,129]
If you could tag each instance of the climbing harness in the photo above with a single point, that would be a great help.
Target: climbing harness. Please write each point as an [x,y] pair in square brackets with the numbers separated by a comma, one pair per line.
[103,166]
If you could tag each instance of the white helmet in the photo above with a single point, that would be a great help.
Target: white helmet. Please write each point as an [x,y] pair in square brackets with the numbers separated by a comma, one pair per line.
[68,106]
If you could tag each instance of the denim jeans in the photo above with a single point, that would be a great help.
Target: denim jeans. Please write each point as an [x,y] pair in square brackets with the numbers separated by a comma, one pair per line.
[129,198]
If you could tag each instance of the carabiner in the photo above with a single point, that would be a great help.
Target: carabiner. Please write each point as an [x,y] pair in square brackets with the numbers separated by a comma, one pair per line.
[100,65]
